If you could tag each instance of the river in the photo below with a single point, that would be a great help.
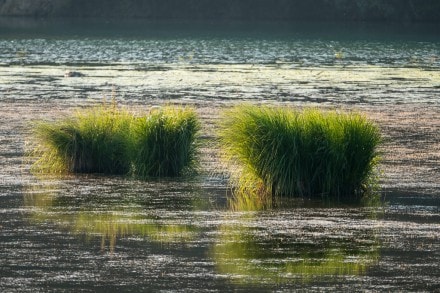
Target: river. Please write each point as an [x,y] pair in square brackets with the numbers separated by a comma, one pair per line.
[98,233]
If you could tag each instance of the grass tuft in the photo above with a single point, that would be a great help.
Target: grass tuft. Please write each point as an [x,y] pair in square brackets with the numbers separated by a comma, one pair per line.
[165,143]
[93,140]
[109,140]
[311,154]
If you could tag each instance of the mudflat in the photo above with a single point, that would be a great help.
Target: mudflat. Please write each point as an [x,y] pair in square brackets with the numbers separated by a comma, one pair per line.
[403,101]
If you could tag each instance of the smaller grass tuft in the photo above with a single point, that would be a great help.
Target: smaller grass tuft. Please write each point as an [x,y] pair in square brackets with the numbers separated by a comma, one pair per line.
[165,143]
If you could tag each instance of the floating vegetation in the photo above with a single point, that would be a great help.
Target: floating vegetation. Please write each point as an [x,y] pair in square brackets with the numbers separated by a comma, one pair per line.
[109,140]
[309,153]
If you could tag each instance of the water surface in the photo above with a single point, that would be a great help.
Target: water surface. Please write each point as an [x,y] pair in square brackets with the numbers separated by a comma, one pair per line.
[97,233]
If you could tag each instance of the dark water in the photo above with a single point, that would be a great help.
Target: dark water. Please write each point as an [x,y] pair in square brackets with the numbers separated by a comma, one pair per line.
[96,233]
[143,44]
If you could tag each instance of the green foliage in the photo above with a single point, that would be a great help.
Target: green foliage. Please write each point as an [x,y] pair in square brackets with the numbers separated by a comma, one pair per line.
[312,153]
[164,143]
[109,140]
[92,141]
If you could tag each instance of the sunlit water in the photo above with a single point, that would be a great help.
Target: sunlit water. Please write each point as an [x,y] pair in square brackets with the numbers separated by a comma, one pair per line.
[97,233]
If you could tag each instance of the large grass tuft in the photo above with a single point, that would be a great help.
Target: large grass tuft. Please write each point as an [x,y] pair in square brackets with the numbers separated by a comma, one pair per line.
[312,153]
[109,140]
[93,140]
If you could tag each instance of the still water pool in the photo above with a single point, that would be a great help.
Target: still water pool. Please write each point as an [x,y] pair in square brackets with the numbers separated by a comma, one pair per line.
[114,234]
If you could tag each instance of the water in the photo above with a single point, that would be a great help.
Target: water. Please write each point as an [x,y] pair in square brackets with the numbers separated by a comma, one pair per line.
[143,44]
[97,233]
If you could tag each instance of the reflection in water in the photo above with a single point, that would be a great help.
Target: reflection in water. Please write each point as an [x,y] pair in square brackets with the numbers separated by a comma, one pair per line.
[248,258]
[115,225]
[252,253]
[250,243]
[96,215]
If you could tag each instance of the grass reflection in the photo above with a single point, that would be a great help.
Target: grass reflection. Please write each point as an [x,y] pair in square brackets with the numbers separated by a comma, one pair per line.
[110,218]
[251,259]
[252,251]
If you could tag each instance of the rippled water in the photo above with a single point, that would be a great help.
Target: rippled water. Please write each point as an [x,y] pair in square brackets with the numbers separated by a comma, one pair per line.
[141,52]
[147,44]
[97,233]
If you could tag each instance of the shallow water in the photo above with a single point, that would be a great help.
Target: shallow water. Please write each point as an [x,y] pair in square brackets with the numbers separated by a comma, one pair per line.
[97,233]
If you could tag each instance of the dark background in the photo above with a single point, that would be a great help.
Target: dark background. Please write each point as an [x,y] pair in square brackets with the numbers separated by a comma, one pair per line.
[409,11]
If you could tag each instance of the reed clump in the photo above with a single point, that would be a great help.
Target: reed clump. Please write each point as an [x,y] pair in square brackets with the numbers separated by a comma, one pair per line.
[164,143]
[309,153]
[110,140]
[93,140]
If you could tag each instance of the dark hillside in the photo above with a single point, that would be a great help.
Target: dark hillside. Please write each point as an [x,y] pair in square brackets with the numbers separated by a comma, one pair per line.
[290,10]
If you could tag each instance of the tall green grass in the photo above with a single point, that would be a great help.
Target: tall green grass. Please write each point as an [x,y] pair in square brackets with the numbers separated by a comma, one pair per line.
[92,140]
[164,143]
[107,139]
[312,153]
